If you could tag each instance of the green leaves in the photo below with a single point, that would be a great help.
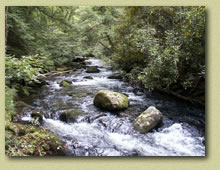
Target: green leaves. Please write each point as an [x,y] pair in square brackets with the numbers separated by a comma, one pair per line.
[17,70]
[165,43]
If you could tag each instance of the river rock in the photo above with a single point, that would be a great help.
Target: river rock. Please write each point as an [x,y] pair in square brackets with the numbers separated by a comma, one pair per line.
[92,69]
[115,76]
[63,68]
[65,83]
[147,120]
[38,115]
[88,77]
[78,59]
[70,115]
[110,100]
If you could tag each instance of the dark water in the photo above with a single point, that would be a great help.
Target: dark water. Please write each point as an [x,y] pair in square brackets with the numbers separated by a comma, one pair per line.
[101,133]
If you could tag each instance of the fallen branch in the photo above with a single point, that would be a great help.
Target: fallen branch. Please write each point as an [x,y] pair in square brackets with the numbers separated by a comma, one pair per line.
[53,73]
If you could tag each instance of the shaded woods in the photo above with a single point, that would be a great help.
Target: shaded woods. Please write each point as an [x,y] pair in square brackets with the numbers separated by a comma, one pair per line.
[154,48]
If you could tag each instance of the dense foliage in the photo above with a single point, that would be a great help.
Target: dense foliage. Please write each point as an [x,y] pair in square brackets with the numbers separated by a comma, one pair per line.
[155,47]
[162,46]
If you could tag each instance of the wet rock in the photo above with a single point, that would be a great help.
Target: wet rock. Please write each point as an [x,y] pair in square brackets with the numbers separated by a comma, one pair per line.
[79,59]
[37,83]
[75,80]
[115,76]
[38,115]
[78,65]
[70,115]
[110,100]
[88,62]
[147,120]
[64,68]
[92,69]
[65,83]
[88,77]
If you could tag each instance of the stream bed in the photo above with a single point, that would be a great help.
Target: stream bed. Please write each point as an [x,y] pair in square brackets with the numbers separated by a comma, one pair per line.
[101,133]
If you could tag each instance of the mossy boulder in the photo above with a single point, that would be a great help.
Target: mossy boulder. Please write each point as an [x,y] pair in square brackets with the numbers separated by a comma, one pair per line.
[38,115]
[92,69]
[112,101]
[65,83]
[70,115]
[148,120]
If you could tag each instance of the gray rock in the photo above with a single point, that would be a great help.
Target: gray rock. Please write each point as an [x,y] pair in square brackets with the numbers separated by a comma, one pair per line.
[88,77]
[115,76]
[92,69]
[110,100]
[70,115]
[148,120]
[65,83]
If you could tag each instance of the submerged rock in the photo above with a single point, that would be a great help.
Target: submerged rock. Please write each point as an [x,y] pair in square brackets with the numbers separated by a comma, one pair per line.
[70,115]
[147,120]
[92,69]
[65,83]
[88,77]
[110,100]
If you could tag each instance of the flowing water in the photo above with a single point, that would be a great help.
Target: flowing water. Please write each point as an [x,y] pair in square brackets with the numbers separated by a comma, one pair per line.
[101,133]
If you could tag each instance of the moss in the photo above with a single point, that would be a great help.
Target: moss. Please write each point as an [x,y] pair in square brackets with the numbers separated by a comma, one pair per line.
[92,69]
[109,100]
[31,142]
[148,120]
[65,83]
[64,68]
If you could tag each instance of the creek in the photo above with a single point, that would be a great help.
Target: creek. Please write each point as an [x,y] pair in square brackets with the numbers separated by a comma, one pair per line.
[102,133]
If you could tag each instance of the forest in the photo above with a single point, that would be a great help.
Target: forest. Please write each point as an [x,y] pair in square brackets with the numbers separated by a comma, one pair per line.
[155,51]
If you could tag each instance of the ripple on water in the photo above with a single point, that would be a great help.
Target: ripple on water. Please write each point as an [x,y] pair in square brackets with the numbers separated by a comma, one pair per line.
[171,141]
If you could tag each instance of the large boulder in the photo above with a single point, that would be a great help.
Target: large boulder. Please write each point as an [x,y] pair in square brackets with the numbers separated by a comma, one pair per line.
[147,120]
[65,83]
[110,100]
[92,69]
[70,115]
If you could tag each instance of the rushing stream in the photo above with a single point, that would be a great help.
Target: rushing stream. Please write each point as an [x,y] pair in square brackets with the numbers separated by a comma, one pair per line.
[102,133]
